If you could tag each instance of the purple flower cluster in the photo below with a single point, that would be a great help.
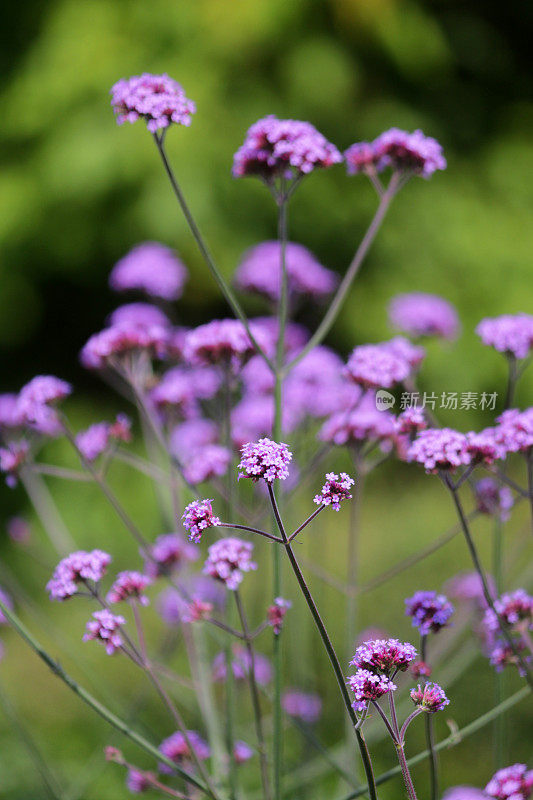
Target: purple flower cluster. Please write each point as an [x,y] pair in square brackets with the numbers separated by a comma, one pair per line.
[384,656]
[335,490]
[176,748]
[385,364]
[430,697]
[228,559]
[400,150]
[157,99]
[197,517]
[302,705]
[95,440]
[78,567]
[242,752]
[129,585]
[260,271]
[514,608]
[241,664]
[105,627]
[103,348]
[283,147]
[168,553]
[511,334]
[429,611]
[137,782]
[265,459]
[206,463]
[514,432]
[511,783]
[368,686]
[420,314]
[141,315]
[276,613]
[440,449]
[36,401]
[493,499]
[152,268]
[364,423]
[222,341]
[410,421]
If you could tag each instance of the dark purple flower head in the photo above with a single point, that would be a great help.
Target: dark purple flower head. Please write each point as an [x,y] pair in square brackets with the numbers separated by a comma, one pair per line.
[228,559]
[360,157]
[511,334]
[430,698]
[483,446]
[104,348]
[12,457]
[241,665]
[105,627]
[129,585]
[429,611]
[169,552]
[260,271]
[420,314]
[77,568]
[368,686]
[511,783]
[283,148]
[514,432]
[380,365]
[157,99]
[306,706]
[206,463]
[176,747]
[265,459]
[408,152]
[440,449]
[137,782]
[141,315]
[152,268]
[242,752]
[493,499]
[197,517]
[276,613]
[222,342]
[335,490]
[364,423]
[384,656]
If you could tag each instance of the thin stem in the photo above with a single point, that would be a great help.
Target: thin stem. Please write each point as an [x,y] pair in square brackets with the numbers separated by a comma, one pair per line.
[256,704]
[392,732]
[208,258]
[430,739]
[44,505]
[328,646]
[306,523]
[499,722]
[408,721]
[511,380]
[505,479]
[529,461]
[59,472]
[345,285]
[405,771]
[236,527]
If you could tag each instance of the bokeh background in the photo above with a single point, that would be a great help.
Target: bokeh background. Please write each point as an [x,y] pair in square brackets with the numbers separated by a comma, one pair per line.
[76,192]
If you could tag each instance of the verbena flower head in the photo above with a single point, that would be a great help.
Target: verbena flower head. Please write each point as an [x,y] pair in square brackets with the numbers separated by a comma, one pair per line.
[493,499]
[515,608]
[514,432]
[152,268]
[104,628]
[142,315]
[103,349]
[192,435]
[440,449]
[12,458]
[197,517]
[410,421]
[37,399]
[283,148]
[429,611]
[260,271]
[511,783]
[94,441]
[242,752]
[464,793]
[420,669]
[10,414]
[265,459]
[408,152]
[316,384]
[169,552]
[228,559]
[360,157]
[502,655]
[222,341]
[384,656]
[511,334]
[276,613]
[241,664]
[306,706]
[129,585]
[483,446]
[364,423]
[157,99]
[368,686]
[137,782]
[77,568]
[176,748]
[335,490]
[420,314]
[377,366]
[430,697]
[211,461]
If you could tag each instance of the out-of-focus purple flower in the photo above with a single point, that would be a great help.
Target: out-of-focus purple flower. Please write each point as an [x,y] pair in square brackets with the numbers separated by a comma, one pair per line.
[241,665]
[77,568]
[105,627]
[514,432]
[260,271]
[306,706]
[152,268]
[158,99]
[228,559]
[222,342]
[502,655]
[414,354]
[360,157]
[382,365]
[364,423]
[242,752]
[420,669]
[265,459]
[335,490]
[429,611]
[8,602]
[177,749]
[197,517]
[408,152]
[283,148]
[317,386]
[175,606]
[511,334]
[10,413]
[92,442]
[175,394]
[196,611]
[129,585]
[18,529]
[276,613]
[296,335]
[253,417]
[511,783]
[440,449]
[169,552]
[411,421]
[103,349]
[493,499]
[384,656]
[430,698]
[192,435]
[206,463]
[37,399]
[468,586]
[464,793]
[12,457]
[483,447]
[514,608]
[420,314]
[137,782]
[141,315]
[368,686]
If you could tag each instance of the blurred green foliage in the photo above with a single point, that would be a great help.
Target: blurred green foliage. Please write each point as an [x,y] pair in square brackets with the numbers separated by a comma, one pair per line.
[76,192]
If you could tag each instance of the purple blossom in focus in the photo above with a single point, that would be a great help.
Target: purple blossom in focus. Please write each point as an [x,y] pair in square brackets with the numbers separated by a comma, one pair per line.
[429,611]
[420,314]
[335,490]
[440,449]
[368,686]
[430,698]
[176,748]
[157,99]
[104,627]
[152,268]
[77,568]
[228,559]
[302,705]
[511,783]
[511,334]
[197,517]
[129,585]
[493,499]
[265,459]
[168,553]
[384,656]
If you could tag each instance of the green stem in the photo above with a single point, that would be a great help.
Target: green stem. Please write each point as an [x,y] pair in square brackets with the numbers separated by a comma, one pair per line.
[42,501]
[430,740]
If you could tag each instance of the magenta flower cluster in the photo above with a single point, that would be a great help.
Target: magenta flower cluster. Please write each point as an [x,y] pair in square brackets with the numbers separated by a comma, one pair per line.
[157,99]
[511,783]
[385,656]
[228,559]
[177,747]
[105,628]
[421,314]
[335,490]
[168,553]
[511,334]
[429,611]
[265,459]
[385,364]
[276,613]
[440,449]
[197,517]
[152,268]
[402,151]
[129,585]
[78,567]
[302,705]
[430,697]
[368,686]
